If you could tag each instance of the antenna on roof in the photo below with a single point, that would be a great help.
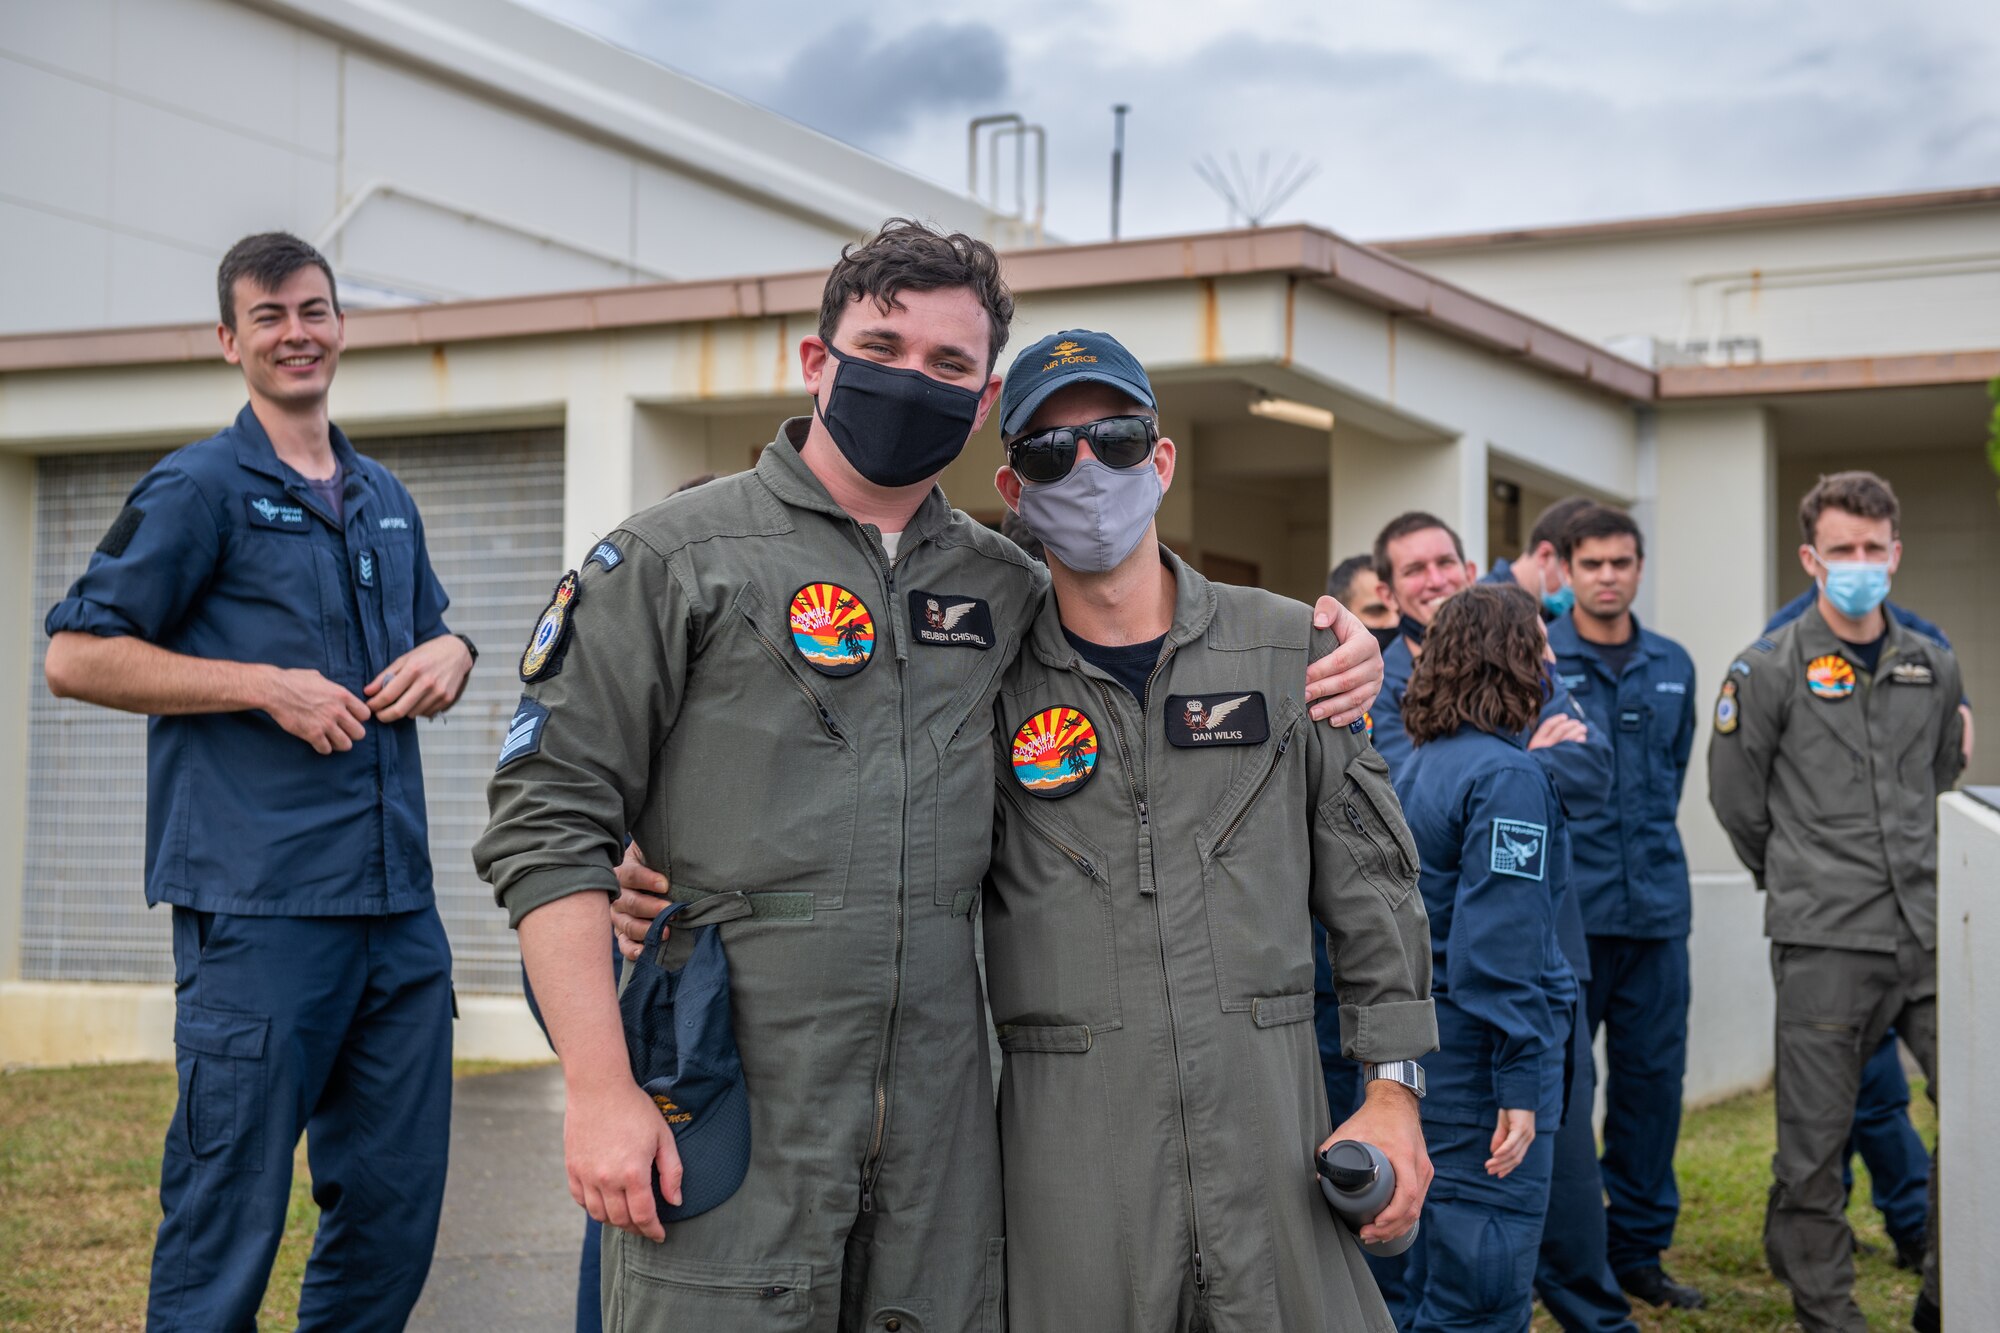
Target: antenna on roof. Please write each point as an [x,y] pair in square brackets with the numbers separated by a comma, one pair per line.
[1254,194]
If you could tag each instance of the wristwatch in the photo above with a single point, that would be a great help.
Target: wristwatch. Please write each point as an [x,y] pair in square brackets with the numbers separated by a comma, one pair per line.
[1406,1072]
[470,647]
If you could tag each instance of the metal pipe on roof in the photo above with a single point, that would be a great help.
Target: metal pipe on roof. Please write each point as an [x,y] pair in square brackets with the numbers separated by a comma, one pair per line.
[972,129]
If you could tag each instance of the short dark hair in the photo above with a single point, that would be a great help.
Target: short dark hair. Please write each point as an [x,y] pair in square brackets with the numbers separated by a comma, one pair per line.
[909,256]
[1481,665]
[1600,521]
[1343,575]
[1862,494]
[1402,526]
[267,259]
[1549,527]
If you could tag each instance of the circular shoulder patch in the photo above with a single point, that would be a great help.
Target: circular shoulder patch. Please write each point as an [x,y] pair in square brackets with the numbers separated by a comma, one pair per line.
[1830,677]
[832,629]
[550,630]
[1055,752]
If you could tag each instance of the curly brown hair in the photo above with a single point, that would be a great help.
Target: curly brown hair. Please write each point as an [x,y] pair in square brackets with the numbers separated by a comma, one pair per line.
[908,256]
[1481,666]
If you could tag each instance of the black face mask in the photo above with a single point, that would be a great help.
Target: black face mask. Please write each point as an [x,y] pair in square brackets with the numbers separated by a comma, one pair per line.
[1385,637]
[1411,630]
[897,427]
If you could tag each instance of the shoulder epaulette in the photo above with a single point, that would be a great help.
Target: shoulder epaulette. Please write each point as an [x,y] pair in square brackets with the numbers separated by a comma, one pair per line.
[1764,645]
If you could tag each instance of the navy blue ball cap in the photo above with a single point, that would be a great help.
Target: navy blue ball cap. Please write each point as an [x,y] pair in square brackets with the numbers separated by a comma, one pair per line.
[1074,356]
[682,1043]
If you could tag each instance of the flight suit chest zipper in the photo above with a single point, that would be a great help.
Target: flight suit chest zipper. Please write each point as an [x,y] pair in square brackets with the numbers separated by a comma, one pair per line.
[1257,793]
[1166,977]
[871,1166]
[1078,859]
[817,704]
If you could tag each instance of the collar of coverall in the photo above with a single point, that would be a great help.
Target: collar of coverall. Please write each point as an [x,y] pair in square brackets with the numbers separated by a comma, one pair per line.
[255,451]
[1817,639]
[781,469]
[1566,642]
[1194,608]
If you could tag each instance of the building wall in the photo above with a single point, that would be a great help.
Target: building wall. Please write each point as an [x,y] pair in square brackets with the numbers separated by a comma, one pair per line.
[1914,282]
[166,129]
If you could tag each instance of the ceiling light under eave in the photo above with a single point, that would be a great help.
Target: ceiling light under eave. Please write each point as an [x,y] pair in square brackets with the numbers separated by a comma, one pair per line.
[1292,412]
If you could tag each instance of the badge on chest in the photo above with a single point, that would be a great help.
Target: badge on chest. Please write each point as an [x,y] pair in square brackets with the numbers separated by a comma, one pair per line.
[832,629]
[1055,752]
[1830,677]
[1912,673]
[1222,717]
[947,621]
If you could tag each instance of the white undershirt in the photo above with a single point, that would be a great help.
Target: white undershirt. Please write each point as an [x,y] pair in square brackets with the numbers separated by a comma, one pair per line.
[890,540]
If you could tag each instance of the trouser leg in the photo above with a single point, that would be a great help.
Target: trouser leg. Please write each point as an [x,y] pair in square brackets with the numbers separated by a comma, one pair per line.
[1482,1235]
[589,1279]
[1645,1016]
[1830,1004]
[261,1006]
[1916,1021]
[379,1138]
[1572,1276]
[1898,1163]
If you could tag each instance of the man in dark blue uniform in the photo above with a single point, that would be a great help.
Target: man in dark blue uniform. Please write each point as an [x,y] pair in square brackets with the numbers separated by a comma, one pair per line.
[1899,1166]
[266,597]
[1632,881]
[1423,562]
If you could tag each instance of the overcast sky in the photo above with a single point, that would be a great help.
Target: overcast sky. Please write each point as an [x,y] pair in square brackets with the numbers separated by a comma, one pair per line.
[1421,116]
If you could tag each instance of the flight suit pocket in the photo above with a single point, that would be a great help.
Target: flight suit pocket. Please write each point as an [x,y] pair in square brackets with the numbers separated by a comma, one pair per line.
[220,1059]
[1051,960]
[962,815]
[398,573]
[1256,877]
[1365,815]
[661,1292]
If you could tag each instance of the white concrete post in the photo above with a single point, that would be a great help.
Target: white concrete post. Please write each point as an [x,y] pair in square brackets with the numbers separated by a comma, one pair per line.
[1968,1067]
[17,542]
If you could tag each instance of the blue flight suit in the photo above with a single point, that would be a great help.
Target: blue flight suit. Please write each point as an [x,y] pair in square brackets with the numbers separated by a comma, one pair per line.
[1494,852]
[1572,1277]
[1632,879]
[312,975]
[1899,1166]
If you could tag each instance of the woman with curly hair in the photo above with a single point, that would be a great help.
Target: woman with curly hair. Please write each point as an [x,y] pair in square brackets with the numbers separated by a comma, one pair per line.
[1495,864]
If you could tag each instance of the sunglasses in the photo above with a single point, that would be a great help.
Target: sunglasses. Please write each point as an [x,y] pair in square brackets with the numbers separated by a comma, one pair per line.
[1119,442]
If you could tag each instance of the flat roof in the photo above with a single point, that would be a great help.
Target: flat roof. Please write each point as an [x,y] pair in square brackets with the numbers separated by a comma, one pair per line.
[1302,253]
[1829,375]
[1764,215]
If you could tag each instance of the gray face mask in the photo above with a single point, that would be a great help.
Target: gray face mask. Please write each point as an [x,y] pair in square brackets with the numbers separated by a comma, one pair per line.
[1094,517]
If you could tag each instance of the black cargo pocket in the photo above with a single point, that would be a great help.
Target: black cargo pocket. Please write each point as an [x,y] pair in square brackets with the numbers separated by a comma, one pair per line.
[1366,817]
[222,1090]
[667,1293]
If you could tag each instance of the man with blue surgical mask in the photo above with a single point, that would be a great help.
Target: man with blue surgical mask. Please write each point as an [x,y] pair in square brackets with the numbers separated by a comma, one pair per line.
[1833,737]
[1539,568]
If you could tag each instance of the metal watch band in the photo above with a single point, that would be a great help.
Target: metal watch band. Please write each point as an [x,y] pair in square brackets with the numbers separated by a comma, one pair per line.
[1406,1072]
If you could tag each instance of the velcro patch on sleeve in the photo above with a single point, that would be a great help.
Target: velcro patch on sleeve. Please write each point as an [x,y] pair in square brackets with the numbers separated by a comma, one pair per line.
[1519,848]
[1223,717]
[524,732]
[607,555]
[123,528]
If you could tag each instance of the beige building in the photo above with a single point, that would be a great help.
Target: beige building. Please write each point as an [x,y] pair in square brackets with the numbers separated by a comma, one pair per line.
[1316,387]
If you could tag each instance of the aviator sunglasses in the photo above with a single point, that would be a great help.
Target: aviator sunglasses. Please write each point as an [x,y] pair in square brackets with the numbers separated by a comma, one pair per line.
[1119,442]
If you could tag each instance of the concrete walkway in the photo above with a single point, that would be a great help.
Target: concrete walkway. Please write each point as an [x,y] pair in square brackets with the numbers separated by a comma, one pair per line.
[507,1244]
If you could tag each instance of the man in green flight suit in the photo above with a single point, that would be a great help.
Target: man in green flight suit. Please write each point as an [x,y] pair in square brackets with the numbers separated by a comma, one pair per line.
[1833,739]
[1170,822]
[754,679]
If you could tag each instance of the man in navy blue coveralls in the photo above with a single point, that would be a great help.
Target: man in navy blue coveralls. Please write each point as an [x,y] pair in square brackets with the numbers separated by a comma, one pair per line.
[1423,562]
[266,597]
[1899,1165]
[1631,876]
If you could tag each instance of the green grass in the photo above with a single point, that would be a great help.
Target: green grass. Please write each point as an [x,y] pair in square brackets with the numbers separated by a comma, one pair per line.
[80,1198]
[1724,1165]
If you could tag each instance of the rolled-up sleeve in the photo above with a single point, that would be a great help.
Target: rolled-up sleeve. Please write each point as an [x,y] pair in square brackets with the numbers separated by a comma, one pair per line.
[149,568]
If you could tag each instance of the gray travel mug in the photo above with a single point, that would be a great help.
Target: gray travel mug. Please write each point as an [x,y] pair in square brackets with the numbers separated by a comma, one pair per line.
[1358,1181]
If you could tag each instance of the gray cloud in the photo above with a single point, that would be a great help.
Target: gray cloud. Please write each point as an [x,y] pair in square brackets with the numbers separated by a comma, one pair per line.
[867,89]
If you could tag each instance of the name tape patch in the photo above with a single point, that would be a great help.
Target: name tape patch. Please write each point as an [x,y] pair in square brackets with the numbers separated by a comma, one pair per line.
[524,732]
[1221,717]
[1519,848]
[607,555]
[949,621]
[283,515]
[394,521]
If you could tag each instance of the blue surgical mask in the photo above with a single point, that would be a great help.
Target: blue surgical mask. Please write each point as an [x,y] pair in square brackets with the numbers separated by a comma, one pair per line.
[1559,602]
[1855,587]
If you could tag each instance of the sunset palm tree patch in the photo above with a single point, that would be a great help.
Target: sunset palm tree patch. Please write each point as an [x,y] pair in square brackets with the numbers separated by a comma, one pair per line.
[1055,752]
[832,629]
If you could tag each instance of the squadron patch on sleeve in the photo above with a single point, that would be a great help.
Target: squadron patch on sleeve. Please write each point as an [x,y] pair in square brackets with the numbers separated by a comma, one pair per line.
[1518,848]
[1221,717]
[1055,752]
[832,629]
[1725,709]
[123,528]
[543,655]
[950,621]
